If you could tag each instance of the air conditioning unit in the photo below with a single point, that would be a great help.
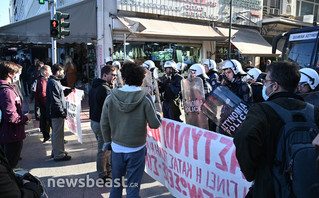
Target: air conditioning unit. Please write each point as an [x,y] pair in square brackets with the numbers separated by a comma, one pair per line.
[274,11]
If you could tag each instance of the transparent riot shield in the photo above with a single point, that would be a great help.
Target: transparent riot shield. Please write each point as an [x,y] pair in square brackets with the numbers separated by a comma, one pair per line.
[193,98]
[311,97]
[226,109]
[150,85]
[156,92]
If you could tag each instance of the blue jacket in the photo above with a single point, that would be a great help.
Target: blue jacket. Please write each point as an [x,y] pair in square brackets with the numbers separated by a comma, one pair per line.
[13,120]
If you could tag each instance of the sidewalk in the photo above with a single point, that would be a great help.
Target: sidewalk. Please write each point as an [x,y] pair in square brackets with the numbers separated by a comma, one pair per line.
[81,168]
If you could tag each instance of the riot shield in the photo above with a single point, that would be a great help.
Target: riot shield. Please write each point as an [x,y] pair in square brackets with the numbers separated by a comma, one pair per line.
[150,85]
[311,97]
[193,99]
[158,103]
[226,109]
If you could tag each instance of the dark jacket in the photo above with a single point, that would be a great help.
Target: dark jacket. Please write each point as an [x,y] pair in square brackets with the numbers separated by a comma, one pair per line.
[55,99]
[9,186]
[242,90]
[97,94]
[256,141]
[13,120]
[171,87]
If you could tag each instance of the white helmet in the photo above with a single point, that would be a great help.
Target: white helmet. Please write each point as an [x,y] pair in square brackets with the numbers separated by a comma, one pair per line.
[148,64]
[310,76]
[116,64]
[181,66]
[200,70]
[211,64]
[233,65]
[252,74]
[171,64]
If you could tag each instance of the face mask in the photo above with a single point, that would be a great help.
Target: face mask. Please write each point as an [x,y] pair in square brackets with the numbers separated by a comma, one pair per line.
[169,73]
[16,78]
[265,96]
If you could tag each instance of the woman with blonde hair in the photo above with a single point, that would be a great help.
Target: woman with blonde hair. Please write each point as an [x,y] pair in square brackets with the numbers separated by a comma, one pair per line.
[70,70]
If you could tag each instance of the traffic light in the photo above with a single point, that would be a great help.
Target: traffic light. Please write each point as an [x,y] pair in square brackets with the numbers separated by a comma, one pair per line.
[63,24]
[54,28]
[41,1]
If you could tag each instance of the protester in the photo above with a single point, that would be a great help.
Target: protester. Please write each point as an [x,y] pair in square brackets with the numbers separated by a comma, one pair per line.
[40,97]
[70,70]
[309,80]
[18,83]
[57,112]
[101,87]
[125,115]
[257,138]
[13,121]
[170,86]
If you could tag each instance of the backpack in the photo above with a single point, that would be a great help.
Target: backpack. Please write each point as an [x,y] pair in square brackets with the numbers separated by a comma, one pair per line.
[294,167]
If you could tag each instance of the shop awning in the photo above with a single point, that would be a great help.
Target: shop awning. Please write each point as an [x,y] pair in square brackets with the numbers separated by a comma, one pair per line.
[169,29]
[37,29]
[249,42]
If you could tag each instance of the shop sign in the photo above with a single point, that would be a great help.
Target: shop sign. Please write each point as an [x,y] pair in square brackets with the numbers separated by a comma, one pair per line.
[212,10]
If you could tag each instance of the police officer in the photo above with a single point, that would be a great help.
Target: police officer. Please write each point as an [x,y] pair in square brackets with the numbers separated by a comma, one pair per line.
[211,71]
[198,70]
[232,78]
[253,78]
[309,80]
[170,87]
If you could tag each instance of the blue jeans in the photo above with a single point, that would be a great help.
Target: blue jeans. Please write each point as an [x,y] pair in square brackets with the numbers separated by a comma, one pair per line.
[131,164]
[103,164]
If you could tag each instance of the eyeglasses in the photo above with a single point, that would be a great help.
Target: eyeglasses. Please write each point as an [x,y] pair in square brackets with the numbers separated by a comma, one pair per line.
[264,81]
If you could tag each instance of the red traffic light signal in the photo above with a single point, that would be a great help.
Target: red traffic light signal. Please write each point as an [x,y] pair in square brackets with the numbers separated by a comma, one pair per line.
[54,28]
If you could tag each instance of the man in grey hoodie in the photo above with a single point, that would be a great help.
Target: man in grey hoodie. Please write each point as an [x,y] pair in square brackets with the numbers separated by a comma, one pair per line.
[125,115]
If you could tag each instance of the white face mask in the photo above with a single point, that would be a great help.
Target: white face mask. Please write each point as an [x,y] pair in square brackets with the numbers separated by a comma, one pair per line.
[264,94]
[16,78]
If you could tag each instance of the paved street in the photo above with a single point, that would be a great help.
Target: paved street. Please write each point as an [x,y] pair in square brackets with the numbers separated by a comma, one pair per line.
[82,167]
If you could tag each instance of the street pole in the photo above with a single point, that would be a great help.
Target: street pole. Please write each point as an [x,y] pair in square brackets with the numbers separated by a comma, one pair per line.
[229,35]
[53,40]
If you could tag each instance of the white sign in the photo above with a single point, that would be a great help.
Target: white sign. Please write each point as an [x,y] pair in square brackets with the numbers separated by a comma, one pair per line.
[245,12]
[303,36]
[73,119]
[194,162]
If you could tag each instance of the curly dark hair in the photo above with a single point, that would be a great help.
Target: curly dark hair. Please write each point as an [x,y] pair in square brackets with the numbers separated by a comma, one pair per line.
[132,73]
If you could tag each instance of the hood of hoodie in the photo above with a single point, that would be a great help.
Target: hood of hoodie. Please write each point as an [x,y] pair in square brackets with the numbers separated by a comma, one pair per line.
[98,81]
[127,101]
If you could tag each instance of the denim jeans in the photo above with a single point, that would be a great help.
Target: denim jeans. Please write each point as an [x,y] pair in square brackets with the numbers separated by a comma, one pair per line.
[103,164]
[131,164]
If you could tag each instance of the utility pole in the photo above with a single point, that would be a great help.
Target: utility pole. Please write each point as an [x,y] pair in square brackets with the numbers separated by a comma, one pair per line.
[53,40]
[229,35]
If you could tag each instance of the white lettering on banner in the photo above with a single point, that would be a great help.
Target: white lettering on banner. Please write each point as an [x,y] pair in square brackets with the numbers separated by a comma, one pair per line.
[73,119]
[303,36]
[234,120]
[194,162]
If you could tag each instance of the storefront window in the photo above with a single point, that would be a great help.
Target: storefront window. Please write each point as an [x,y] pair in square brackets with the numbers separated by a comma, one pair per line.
[158,52]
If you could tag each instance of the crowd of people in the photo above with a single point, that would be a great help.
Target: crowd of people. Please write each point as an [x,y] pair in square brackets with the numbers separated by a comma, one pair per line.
[117,97]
